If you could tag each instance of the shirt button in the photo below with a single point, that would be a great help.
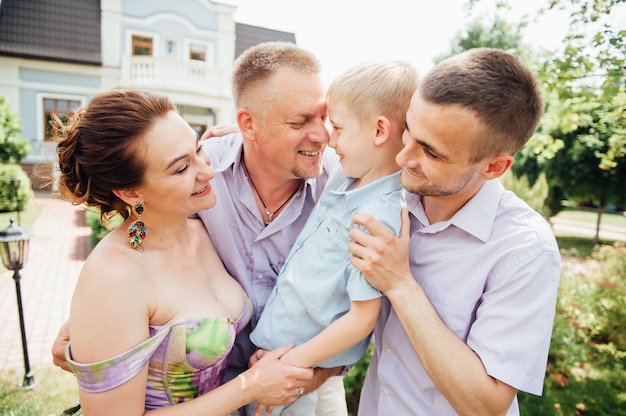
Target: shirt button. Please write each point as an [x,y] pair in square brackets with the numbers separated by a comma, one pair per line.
[388,350]
[386,392]
[259,276]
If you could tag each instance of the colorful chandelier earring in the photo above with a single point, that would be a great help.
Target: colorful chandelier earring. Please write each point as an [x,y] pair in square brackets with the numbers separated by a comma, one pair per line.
[137,230]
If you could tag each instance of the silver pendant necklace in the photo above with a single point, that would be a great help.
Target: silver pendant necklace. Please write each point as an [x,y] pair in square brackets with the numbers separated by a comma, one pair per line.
[270,215]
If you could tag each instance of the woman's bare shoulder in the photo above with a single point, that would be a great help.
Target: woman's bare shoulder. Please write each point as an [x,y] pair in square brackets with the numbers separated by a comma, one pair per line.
[112,264]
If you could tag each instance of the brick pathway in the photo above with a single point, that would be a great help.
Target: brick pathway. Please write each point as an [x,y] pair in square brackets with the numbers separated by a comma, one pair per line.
[59,244]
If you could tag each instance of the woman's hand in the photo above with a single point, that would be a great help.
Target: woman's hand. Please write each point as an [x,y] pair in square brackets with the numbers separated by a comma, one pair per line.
[271,382]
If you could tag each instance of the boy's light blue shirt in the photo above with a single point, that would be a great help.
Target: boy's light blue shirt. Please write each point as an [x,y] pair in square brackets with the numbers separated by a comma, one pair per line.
[251,252]
[317,281]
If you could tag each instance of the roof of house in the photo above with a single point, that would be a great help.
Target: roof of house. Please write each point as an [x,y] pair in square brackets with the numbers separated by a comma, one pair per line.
[59,30]
[248,36]
[69,31]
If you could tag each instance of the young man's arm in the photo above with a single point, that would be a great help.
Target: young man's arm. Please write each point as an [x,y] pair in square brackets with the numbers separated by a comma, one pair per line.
[454,368]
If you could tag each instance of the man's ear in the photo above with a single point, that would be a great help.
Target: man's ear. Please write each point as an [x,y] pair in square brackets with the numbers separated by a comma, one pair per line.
[129,196]
[383,130]
[245,123]
[497,166]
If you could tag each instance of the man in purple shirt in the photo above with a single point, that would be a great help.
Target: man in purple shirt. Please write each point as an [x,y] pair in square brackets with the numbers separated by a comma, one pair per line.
[269,177]
[471,285]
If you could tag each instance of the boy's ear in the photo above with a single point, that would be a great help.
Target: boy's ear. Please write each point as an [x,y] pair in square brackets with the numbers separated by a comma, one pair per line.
[497,166]
[129,196]
[383,130]
[245,123]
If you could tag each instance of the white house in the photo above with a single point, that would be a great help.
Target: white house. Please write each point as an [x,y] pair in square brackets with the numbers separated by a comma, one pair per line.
[55,55]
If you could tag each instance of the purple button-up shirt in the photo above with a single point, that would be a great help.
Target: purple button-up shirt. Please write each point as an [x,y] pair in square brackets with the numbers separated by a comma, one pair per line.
[492,273]
[251,252]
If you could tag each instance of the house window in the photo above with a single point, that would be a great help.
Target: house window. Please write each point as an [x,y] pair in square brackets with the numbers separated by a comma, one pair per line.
[63,108]
[142,45]
[197,52]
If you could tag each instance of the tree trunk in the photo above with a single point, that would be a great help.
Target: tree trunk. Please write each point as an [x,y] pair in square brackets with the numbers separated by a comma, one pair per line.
[596,239]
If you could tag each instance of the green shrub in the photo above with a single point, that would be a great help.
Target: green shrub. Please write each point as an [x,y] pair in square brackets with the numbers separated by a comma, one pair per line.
[98,230]
[587,360]
[13,147]
[353,381]
[590,324]
[7,192]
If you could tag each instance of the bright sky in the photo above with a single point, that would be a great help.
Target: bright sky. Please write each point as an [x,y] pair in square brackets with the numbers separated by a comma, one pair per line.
[343,33]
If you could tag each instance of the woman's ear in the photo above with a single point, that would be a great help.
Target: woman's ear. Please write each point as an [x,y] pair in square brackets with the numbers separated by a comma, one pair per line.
[129,196]
[383,130]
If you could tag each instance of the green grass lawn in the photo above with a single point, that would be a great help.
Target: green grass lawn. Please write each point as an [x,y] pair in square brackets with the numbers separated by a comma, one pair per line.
[590,216]
[581,245]
[54,391]
[26,217]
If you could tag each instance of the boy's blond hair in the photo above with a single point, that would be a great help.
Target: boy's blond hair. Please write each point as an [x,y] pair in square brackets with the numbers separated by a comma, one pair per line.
[376,88]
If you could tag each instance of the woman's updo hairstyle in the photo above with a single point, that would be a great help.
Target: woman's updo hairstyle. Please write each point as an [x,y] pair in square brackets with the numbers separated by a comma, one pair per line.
[99,151]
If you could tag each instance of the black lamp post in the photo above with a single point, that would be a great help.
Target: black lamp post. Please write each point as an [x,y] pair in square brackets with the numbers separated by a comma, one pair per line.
[14,251]
[16,181]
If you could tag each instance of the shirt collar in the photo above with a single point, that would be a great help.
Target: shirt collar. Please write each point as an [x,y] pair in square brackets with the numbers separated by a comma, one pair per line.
[476,217]
[232,160]
[357,197]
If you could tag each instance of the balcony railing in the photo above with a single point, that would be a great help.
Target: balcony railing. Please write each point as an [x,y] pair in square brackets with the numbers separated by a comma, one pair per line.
[174,74]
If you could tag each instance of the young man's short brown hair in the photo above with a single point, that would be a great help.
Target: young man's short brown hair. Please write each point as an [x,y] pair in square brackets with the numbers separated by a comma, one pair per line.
[498,88]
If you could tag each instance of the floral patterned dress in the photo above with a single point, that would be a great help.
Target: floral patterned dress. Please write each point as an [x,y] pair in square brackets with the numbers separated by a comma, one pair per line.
[186,358]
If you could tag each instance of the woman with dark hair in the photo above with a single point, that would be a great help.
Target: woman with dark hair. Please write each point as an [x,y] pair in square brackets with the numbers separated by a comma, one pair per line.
[154,314]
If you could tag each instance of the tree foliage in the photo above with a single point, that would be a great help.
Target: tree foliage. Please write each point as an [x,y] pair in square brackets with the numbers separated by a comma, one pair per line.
[581,142]
[487,31]
[582,145]
[588,78]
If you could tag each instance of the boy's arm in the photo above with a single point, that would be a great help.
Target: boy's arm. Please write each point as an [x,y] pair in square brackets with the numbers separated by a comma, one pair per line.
[346,331]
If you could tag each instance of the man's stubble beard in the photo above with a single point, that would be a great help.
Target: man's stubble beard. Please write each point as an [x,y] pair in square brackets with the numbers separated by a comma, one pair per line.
[428,189]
